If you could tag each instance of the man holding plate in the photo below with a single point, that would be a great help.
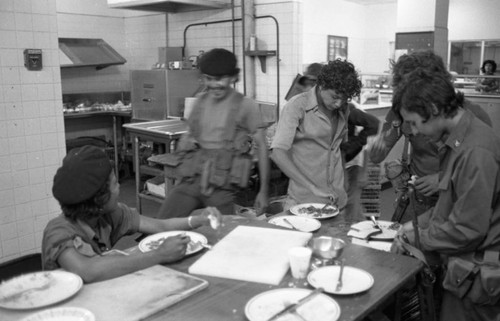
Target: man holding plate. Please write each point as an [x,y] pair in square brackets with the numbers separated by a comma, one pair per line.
[93,221]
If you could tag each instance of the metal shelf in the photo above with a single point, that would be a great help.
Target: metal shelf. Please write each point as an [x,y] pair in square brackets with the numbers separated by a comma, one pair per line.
[262,55]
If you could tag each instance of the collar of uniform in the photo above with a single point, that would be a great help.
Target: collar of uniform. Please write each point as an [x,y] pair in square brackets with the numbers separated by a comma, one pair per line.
[86,228]
[457,134]
[312,99]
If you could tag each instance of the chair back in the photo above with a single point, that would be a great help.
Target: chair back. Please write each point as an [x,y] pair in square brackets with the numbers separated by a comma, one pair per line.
[21,265]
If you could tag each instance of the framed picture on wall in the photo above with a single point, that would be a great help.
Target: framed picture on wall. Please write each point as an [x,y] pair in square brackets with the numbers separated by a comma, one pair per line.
[336,47]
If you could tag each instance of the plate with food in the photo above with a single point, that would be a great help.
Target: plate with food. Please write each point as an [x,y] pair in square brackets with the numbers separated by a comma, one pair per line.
[38,289]
[152,242]
[300,223]
[62,314]
[354,280]
[366,229]
[265,305]
[315,210]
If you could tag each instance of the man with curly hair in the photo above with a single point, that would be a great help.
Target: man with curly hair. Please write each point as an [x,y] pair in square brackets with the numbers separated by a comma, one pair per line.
[306,146]
[423,155]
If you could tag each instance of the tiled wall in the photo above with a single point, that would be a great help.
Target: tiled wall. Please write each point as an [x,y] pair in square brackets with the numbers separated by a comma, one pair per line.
[31,125]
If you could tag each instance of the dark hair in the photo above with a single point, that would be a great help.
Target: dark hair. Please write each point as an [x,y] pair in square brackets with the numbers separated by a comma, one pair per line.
[427,94]
[90,208]
[341,76]
[425,59]
[492,63]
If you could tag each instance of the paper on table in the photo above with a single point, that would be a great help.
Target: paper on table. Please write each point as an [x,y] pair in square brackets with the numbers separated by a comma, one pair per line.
[377,245]
[364,233]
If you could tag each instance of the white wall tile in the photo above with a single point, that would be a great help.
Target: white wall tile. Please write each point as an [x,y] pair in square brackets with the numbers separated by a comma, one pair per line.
[8,39]
[22,195]
[10,248]
[27,243]
[25,39]
[15,128]
[24,22]
[18,162]
[8,231]
[17,145]
[20,178]
[7,21]
[8,215]
[6,181]
[23,212]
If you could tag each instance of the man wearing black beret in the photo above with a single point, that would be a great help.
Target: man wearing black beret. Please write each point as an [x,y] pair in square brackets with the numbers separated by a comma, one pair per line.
[216,152]
[93,221]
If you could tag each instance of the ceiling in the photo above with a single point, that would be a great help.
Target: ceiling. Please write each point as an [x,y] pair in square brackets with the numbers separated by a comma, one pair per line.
[367,2]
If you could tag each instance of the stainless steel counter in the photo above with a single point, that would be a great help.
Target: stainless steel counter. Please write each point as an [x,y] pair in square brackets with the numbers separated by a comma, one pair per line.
[165,132]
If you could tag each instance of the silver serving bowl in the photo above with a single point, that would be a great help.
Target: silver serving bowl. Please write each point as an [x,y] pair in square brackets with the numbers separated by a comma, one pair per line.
[327,247]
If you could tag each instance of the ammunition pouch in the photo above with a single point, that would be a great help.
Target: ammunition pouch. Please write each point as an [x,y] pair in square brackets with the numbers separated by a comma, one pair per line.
[479,282]
[218,168]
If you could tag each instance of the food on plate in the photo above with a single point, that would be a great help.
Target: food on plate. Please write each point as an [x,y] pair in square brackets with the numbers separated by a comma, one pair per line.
[154,244]
[317,211]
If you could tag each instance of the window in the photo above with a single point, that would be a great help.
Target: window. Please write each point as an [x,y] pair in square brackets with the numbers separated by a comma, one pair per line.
[466,57]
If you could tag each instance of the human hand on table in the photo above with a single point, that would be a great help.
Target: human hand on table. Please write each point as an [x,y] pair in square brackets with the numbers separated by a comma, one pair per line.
[261,203]
[173,248]
[210,216]
[427,185]
[406,234]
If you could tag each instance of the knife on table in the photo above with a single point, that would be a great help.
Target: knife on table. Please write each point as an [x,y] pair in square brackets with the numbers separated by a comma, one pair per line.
[293,307]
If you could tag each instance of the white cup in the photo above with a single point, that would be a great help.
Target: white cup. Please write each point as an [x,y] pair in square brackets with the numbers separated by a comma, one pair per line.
[300,258]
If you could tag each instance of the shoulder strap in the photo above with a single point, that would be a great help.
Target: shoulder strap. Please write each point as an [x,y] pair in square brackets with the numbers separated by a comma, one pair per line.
[232,119]
[405,153]
[194,118]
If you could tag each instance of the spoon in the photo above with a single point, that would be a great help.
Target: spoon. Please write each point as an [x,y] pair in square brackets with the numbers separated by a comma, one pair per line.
[375,223]
[339,281]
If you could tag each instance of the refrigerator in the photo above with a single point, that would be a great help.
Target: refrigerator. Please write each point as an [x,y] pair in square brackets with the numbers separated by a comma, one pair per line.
[158,94]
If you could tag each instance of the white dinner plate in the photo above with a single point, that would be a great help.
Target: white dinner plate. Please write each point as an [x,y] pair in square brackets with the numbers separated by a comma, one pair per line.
[354,280]
[62,314]
[313,210]
[38,289]
[153,241]
[264,305]
[301,223]
[389,229]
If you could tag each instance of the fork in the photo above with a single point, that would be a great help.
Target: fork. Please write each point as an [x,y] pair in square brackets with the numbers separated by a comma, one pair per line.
[331,202]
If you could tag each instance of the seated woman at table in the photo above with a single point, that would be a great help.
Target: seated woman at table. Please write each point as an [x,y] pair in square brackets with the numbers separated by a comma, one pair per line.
[93,221]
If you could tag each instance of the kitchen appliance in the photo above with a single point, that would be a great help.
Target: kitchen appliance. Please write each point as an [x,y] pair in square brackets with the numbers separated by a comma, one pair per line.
[159,93]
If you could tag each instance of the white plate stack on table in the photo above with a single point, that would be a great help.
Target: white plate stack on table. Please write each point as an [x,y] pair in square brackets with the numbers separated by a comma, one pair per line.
[367,234]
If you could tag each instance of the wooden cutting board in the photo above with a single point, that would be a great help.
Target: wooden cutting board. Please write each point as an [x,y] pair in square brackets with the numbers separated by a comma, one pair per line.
[131,297]
[252,254]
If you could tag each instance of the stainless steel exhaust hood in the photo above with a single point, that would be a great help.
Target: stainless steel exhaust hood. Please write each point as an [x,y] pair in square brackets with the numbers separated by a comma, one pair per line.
[77,52]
